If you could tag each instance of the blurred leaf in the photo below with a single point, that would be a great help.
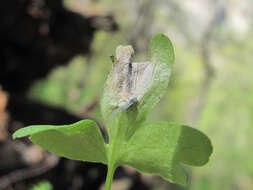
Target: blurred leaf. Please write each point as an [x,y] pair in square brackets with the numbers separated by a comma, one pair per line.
[160,148]
[79,141]
[42,186]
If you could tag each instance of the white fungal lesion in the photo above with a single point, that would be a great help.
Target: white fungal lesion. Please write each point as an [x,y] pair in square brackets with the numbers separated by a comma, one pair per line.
[135,87]
[129,80]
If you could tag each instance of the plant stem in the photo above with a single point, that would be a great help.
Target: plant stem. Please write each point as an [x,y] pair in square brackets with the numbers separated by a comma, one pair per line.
[113,152]
[111,164]
[109,176]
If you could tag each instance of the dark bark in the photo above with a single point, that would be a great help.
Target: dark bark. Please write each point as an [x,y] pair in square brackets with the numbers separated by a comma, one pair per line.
[38,35]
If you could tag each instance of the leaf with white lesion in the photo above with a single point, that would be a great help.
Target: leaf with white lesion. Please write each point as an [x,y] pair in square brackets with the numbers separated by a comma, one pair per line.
[145,81]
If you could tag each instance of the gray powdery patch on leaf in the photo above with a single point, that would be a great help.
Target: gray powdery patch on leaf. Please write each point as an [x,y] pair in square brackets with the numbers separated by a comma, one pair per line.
[127,79]
[138,83]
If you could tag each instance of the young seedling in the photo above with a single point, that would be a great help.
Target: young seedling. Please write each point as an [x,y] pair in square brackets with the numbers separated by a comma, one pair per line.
[130,93]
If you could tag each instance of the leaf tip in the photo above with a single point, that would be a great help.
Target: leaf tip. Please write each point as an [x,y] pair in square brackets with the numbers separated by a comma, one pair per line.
[159,35]
[22,132]
[162,47]
[16,135]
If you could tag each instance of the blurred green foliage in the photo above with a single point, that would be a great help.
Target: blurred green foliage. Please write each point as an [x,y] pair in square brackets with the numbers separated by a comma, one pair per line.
[44,185]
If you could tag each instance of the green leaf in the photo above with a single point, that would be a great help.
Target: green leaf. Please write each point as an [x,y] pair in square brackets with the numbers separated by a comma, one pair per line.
[162,57]
[79,141]
[161,148]
[42,186]
[161,49]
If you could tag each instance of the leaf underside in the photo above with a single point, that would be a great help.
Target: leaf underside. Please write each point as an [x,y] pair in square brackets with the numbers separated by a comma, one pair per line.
[79,141]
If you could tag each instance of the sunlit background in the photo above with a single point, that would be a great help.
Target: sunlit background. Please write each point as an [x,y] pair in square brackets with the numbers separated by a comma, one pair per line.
[211,87]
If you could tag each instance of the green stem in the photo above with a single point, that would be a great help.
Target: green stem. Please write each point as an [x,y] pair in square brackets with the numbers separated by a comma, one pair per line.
[111,164]
[113,152]
[109,176]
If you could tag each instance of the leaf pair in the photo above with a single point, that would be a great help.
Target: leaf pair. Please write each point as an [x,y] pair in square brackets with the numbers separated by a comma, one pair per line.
[157,148]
